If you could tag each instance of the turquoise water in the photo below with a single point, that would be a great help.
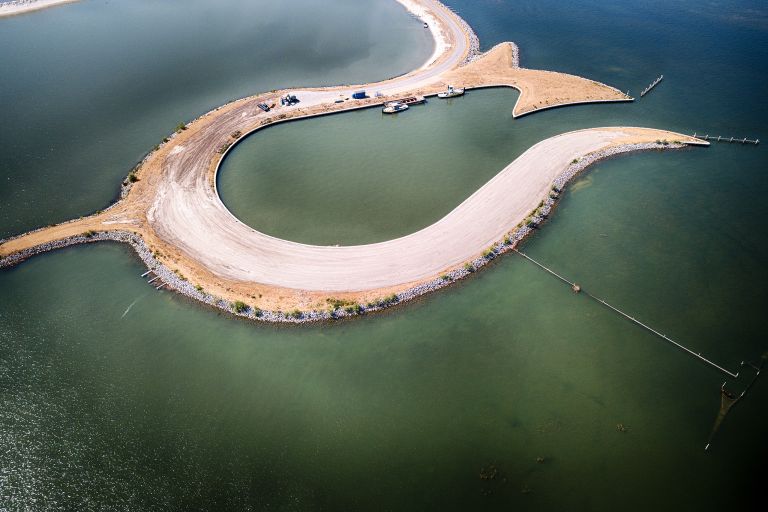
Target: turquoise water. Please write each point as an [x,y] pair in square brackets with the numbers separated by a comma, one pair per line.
[114,396]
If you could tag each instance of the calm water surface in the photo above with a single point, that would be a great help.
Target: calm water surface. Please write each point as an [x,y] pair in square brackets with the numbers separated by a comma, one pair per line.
[108,80]
[114,396]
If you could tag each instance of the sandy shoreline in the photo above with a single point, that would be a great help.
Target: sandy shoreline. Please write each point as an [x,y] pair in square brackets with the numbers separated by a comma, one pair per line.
[17,7]
[175,220]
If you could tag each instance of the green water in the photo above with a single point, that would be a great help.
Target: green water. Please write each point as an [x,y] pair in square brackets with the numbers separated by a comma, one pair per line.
[175,407]
[364,176]
[87,89]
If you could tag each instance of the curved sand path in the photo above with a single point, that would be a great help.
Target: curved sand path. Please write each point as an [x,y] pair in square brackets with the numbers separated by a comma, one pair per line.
[189,214]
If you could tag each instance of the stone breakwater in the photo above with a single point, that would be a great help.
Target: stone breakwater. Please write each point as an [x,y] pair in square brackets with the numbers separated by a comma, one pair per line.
[474,41]
[473,56]
[180,284]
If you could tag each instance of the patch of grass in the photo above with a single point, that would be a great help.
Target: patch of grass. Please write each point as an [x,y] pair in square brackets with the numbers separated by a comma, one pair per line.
[387,301]
[199,288]
[489,253]
[224,147]
[469,267]
[132,178]
[575,161]
[181,127]
[339,303]
[296,313]
[239,306]
[445,277]
[90,233]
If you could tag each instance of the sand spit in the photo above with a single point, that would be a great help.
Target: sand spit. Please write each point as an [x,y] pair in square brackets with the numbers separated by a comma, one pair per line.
[16,7]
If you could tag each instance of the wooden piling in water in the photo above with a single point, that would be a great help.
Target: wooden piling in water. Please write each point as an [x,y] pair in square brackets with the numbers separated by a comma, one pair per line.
[720,138]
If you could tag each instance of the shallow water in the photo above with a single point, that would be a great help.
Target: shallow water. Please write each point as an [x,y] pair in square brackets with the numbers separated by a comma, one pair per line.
[173,406]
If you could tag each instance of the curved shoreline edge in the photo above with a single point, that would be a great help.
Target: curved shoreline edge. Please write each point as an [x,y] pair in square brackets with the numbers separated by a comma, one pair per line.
[511,241]
[191,157]
[15,8]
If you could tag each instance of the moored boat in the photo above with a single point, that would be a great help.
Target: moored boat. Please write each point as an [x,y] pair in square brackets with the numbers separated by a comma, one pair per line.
[451,92]
[393,107]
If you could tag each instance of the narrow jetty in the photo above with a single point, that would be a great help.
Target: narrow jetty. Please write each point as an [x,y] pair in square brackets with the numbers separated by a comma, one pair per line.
[653,84]
[719,138]
[577,288]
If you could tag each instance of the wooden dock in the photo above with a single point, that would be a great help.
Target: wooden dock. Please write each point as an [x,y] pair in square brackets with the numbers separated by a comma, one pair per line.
[575,287]
[719,138]
[653,84]
[728,399]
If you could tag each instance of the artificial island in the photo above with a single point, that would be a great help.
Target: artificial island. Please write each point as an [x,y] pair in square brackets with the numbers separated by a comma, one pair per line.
[171,213]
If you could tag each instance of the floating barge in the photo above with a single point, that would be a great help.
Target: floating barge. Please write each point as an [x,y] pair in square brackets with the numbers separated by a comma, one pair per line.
[410,100]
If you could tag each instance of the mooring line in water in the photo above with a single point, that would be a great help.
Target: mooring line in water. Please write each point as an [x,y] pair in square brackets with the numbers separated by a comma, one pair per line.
[575,287]
[129,308]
